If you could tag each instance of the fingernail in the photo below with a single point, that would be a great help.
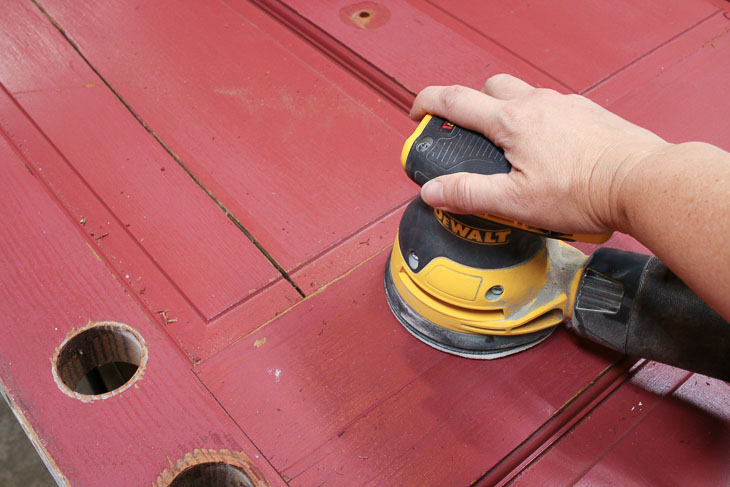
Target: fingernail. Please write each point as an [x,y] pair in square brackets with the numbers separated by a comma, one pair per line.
[433,193]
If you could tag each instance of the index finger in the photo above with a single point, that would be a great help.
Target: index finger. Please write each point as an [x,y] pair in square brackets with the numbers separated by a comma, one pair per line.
[463,106]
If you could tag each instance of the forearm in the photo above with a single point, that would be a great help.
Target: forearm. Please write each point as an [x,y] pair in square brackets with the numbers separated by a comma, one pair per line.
[677,203]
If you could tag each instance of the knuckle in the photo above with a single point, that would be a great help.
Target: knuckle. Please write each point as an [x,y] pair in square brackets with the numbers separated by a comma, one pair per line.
[545,94]
[449,97]
[512,114]
[497,79]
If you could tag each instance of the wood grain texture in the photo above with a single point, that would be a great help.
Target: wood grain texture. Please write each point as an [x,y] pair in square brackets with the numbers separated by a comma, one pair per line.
[681,90]
[339,392]
[297,150]
[125,171]
[663,427]
[125,254]
[413,43]
[287,132]
[53,282]
[580,42]
[154,226]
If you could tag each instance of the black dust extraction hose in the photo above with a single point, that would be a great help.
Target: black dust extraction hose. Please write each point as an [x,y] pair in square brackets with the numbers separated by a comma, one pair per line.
[634,304]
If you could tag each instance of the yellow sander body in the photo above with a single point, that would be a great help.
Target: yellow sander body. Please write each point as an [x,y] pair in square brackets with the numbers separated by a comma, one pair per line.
[487,300]
[484,286]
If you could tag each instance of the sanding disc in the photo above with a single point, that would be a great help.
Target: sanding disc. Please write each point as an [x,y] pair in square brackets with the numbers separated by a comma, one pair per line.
[476,346]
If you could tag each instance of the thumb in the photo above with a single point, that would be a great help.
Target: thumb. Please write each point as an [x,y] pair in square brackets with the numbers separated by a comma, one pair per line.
[467,193]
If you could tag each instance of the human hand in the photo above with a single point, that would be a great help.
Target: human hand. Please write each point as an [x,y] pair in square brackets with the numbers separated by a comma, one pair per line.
[569,155]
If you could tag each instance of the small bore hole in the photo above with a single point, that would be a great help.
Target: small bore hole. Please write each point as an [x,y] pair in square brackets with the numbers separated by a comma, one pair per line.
[412,260]
[212,474]
[100,359]
[494,293]
[364,14]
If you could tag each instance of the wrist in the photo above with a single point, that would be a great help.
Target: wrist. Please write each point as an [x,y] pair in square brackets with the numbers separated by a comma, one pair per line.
[631,184]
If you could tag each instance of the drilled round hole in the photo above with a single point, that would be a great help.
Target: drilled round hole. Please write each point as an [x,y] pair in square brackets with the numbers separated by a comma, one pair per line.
[212,468]
[213,474]
[99,360]
[364,14]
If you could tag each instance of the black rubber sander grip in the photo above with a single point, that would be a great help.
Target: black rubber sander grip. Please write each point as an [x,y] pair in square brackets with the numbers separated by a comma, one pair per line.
[634,304]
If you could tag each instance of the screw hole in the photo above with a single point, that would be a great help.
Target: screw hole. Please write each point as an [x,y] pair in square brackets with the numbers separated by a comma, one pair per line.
[494,293]
[364,14]
[413,260]
[99,359]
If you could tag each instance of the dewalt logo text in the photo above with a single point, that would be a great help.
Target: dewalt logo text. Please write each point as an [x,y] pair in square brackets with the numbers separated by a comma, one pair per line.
[470,233]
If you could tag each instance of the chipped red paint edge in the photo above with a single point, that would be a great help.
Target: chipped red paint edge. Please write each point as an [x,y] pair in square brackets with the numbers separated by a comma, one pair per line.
[35,440]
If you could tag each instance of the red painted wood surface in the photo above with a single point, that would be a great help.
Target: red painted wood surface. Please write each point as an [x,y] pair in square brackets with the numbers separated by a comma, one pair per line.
[581,42]
[296,149]
[159,231]
[126,171]
[570,45]
[53,282]
[291,117]
[339,392]
[412,42]
[663,427]
[681,90]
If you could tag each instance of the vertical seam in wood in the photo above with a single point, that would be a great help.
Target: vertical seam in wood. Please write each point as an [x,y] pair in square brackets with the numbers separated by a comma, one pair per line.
[305,300]
[647,54]
[243,432]
[359,417]
[573,412]
[495,41]
[648,411]
[172,154]
[146,311]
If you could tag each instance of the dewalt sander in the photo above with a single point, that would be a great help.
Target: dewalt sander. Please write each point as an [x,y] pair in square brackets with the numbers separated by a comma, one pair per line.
[482,286]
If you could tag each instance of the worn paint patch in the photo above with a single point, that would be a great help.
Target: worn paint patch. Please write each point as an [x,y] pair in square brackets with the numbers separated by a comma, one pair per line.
[35,440]
[258,343]
[276,373]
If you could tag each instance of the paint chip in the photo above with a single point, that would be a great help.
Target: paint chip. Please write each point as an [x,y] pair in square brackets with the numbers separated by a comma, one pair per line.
[258,343]
[276,373]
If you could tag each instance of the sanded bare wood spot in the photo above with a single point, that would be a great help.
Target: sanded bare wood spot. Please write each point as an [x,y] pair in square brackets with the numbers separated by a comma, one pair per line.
[212,468]
[99,360]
